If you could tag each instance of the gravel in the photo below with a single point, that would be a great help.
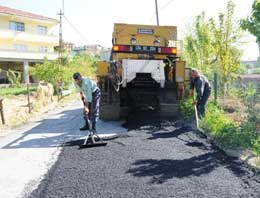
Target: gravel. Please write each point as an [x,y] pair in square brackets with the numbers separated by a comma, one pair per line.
[156,158]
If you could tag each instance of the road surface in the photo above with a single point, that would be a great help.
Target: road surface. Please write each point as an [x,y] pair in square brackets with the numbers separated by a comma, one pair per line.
[156,158]
[28,153]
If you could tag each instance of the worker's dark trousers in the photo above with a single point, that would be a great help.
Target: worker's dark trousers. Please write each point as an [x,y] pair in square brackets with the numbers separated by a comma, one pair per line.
[94,108]
[201,105]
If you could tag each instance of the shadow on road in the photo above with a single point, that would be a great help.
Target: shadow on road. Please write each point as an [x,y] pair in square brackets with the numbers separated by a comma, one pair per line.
[168,134]
[180,131]
[162,170]
[49,132]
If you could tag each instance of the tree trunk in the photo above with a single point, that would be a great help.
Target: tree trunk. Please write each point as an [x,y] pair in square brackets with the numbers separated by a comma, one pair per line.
[225,92]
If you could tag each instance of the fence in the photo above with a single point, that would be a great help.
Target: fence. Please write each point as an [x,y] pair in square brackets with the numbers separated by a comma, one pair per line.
[2,111]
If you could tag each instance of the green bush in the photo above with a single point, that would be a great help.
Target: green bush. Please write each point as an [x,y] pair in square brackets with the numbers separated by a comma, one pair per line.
[256,146]
[251,99]
[51,72]
[14,78]
[48,72]
[187,109]
[227,133]
[86,65]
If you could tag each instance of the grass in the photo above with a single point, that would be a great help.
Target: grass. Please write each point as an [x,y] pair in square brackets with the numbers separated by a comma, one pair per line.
[15,91]
[227,133]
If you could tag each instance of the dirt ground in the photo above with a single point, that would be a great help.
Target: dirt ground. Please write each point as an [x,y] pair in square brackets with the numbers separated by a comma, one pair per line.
[16,110]
[234,108]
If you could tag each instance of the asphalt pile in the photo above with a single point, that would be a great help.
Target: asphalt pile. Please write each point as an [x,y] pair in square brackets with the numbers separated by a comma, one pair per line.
[156,158]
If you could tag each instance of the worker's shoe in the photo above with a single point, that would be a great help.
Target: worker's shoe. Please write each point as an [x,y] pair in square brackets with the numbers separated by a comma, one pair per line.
[87,125]
[84,128]
[94,132]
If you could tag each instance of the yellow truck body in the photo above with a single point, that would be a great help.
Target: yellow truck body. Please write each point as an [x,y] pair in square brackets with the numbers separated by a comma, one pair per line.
[145,34]
[145,68]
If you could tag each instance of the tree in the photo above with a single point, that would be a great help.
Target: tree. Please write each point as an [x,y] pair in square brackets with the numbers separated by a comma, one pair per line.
[84,64]
[212,46]
[51,72]
[198,48]
[226,38]
[14,78]
[252,23]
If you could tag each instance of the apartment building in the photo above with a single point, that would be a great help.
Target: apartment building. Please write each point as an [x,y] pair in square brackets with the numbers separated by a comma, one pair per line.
[25,39]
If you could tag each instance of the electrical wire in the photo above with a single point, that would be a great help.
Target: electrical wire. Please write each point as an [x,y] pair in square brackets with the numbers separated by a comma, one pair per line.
[75,29]
[166,5]
[71,24]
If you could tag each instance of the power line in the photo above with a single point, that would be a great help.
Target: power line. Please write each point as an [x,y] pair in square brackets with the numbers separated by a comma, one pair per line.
[71,24]
[166,5]
[75,29]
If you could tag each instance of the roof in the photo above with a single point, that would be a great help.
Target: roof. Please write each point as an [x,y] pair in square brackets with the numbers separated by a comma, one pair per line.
[250,78]
[11,11]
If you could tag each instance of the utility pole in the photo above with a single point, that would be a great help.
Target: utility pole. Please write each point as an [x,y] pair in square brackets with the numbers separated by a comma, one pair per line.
[60,39]
[63,8]
[157,13]
[60,55]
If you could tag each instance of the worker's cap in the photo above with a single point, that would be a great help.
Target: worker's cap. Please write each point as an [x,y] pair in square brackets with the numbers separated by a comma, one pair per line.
[166,61]
[76,76]
[195,70]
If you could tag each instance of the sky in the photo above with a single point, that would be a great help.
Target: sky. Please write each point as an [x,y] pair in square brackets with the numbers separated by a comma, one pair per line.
[94,19]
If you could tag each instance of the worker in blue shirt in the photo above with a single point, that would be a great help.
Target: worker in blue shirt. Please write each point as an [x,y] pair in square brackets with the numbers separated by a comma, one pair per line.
[203,89]
[90,95]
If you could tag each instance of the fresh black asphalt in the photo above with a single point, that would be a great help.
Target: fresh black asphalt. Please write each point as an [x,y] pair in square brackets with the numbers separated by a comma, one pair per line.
[155,159]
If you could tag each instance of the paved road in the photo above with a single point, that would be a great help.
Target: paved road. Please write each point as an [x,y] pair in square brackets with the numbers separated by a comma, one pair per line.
[30,151]
[156,158]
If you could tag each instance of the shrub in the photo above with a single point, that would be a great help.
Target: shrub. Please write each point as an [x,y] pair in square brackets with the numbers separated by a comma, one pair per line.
[187,109]
[51,72]
[14,78]
[48,72]
[86,65]
[256,146]
[218,125]
[227,133]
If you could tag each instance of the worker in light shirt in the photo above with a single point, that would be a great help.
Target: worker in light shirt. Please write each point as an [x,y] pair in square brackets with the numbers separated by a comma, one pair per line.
[90,95]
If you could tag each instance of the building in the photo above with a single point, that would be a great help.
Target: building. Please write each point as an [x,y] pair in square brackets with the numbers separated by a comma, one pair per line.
[68,46]
[89,49]
[251,65]
[25,39]
[249,79]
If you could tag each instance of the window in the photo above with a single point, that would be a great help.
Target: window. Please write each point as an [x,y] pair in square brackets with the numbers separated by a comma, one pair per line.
[43,49]
[20,47]
[42,29]
[16,26]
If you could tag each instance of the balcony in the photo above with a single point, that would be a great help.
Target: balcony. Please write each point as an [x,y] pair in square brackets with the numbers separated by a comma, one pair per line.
[10,54]
[29,37]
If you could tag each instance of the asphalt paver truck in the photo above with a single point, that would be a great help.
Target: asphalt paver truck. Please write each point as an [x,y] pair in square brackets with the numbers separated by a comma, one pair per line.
[145,71]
